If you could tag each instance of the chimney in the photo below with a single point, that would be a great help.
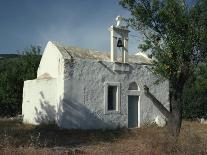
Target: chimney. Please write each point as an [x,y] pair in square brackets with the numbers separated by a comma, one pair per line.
[119,31]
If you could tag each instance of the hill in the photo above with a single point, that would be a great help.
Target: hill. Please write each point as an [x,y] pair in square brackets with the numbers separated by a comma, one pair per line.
[9,55]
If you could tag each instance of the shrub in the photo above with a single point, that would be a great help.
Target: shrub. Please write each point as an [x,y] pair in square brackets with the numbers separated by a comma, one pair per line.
[195,95]
[13,73]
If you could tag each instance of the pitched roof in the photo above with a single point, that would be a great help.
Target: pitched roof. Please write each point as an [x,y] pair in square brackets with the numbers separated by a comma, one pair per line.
[76,52]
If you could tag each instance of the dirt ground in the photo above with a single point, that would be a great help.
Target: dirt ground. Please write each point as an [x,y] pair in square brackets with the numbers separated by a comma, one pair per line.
[19,139]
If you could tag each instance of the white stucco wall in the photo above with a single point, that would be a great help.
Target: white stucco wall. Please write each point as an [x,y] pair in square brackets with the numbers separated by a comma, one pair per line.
[51,62]
[74,96]
[39,101]
[83,102]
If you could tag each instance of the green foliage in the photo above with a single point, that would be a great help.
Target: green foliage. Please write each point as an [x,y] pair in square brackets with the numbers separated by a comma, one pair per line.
[195,94]
[13,73]
[175,34]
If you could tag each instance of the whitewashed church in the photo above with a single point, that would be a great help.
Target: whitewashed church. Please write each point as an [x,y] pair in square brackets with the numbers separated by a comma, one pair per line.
[85,89]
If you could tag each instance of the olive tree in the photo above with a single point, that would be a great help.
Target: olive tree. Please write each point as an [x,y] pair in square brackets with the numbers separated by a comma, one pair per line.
[176,37]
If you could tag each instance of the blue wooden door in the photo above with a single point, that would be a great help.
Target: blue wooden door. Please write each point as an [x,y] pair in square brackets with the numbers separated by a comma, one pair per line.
[133,111]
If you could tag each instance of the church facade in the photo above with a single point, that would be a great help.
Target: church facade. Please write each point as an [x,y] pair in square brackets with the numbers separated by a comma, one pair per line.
[85,89]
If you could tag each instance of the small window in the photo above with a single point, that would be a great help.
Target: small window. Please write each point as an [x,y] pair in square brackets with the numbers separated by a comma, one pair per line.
[112,97]
[133,86]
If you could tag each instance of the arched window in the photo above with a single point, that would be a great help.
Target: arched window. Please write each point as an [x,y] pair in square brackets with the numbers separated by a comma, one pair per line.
[133,86]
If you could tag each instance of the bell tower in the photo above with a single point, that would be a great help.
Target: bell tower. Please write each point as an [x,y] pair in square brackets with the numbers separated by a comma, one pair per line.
[119,39]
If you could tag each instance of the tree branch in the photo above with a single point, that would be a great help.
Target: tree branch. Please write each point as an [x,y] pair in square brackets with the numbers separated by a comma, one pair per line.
[157,103]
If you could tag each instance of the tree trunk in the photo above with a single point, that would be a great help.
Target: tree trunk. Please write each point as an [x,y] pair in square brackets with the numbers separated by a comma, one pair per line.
[174,117]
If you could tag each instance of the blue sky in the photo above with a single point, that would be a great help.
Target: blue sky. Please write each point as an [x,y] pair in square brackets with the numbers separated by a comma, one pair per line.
[82,23]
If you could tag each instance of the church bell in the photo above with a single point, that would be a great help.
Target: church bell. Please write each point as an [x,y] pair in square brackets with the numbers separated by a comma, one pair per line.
[119,43]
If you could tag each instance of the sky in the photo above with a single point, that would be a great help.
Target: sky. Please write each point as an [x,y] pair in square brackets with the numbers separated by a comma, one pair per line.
[81,23]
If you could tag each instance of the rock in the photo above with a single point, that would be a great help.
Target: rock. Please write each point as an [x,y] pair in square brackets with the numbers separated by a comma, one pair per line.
[160,121]
[203,121]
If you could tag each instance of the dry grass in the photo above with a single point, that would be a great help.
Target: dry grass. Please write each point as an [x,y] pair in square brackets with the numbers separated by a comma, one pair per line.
[19,139]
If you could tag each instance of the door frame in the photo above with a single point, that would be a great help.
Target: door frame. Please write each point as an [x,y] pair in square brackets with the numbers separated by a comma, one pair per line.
[134,93]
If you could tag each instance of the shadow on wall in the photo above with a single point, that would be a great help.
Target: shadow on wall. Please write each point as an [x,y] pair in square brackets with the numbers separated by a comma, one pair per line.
[77,116]
[105,66]
[46,112]
[71,114]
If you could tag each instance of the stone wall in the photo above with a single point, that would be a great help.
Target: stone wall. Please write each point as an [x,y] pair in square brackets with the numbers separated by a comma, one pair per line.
[83,101]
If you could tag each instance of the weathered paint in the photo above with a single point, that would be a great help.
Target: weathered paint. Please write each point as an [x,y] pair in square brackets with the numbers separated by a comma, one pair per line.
[83,103]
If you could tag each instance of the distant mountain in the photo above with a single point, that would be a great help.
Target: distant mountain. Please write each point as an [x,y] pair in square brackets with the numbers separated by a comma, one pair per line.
[9,55]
